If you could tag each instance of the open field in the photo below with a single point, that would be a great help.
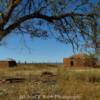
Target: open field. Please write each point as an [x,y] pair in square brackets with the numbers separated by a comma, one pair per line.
[49,82]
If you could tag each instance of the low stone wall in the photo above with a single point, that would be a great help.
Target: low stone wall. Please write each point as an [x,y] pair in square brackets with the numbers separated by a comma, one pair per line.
[68,62]
[4,64]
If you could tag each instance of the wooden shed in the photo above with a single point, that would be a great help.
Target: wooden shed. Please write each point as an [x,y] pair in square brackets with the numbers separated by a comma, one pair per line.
[7,63]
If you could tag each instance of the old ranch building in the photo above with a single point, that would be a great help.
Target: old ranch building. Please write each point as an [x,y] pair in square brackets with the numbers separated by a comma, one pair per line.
[79,60]
[7,63]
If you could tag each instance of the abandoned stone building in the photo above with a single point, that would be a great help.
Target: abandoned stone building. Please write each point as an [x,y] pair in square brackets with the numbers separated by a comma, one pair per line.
[7,63]
[78,60]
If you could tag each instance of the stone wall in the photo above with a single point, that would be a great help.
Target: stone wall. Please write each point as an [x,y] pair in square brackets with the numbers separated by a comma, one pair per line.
[68,62]
[4,64]
[75,62]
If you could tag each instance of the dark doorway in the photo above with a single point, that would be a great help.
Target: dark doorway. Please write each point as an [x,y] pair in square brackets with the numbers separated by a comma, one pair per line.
[12,64]
[72,63]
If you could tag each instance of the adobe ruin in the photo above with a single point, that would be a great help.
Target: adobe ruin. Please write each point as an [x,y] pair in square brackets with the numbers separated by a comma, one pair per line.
[7,63]
[78,60]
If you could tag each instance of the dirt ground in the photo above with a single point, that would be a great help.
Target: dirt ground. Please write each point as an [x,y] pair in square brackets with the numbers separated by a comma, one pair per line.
[49,82]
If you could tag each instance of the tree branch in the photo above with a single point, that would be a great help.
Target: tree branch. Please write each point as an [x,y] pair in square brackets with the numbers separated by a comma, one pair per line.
[12,5]
[38,15]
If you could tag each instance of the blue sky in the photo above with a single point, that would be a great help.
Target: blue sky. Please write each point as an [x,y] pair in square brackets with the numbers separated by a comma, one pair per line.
[33,50]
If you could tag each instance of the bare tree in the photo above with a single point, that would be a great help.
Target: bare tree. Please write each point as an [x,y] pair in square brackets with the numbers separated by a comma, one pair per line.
[72,21]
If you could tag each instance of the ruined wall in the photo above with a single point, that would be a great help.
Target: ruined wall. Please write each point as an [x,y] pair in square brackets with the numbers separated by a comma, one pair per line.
[4,64]
[75,62]
[66,62]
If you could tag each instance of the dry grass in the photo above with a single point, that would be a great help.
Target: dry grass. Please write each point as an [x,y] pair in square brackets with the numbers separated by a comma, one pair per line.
[68,84]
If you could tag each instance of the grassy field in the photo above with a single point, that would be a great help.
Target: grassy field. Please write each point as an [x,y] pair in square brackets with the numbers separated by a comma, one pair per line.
[49,82]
